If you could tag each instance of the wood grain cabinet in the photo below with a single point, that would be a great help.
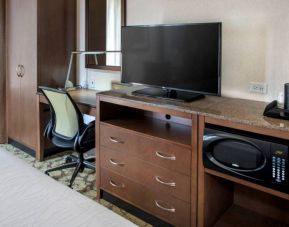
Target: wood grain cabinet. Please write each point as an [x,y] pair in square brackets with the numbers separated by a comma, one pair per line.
[148,161]
[226,200]
[40,36]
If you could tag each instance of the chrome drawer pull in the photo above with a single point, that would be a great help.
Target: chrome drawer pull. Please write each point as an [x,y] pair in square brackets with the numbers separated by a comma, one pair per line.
[113,184]
[158,179]
[114,140]
[160,155]
[116,163]
[171,209]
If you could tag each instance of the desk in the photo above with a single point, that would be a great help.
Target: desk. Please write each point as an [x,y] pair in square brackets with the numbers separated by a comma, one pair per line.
[85,100]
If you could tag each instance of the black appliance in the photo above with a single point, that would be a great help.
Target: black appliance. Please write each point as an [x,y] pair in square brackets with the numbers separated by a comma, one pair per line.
[272,109]
[175,61]
[248,156]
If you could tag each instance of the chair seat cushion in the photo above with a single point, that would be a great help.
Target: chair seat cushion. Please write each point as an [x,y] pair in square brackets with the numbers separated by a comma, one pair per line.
[62,143]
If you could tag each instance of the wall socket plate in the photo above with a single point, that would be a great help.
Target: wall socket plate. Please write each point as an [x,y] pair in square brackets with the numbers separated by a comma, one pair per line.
[256,87]
[91,83]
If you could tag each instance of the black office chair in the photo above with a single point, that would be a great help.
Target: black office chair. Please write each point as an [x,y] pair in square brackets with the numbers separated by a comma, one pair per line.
[66,129]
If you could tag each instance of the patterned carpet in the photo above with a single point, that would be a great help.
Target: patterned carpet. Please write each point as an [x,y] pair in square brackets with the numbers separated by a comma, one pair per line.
[84,182]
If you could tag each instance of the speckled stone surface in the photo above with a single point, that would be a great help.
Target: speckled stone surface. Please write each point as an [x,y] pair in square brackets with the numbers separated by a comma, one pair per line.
[236,110]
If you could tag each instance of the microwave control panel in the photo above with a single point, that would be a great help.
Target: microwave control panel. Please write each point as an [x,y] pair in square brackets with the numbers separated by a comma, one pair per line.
[279,160]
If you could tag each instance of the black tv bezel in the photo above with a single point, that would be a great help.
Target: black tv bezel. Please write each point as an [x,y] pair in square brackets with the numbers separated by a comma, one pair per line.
[174,88]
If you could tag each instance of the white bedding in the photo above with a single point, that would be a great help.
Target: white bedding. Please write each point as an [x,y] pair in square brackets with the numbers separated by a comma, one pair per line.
[30,198]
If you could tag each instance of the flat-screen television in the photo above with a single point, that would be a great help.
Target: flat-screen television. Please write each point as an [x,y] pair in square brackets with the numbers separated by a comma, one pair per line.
[182,57]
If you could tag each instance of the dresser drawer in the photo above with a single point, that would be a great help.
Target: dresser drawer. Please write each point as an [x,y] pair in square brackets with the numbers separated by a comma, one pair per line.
[156,178]
[161,205]
[151,149]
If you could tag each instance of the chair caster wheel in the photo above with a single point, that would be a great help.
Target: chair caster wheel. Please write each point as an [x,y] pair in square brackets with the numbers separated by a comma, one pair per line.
[68,159]
[81,170]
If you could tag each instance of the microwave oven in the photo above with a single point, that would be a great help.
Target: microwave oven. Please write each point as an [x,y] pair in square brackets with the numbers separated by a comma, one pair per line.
[252,157]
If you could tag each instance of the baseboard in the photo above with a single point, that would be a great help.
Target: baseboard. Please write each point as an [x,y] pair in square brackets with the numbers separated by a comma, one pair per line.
[47,152]
[21,147]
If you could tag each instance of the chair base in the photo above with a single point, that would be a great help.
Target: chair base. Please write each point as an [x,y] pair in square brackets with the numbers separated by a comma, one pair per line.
[79,163]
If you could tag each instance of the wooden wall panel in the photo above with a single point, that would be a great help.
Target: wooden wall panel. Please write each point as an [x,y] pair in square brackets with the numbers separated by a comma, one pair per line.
[56,40]
[2,74]
[96,29]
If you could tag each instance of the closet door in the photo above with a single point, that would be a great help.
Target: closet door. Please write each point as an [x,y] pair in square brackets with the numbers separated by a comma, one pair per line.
[13,60]
[28,58]
[22,49]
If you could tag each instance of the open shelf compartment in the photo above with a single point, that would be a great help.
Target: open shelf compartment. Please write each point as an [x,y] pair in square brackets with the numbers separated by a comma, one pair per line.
[230,204]
[167,127]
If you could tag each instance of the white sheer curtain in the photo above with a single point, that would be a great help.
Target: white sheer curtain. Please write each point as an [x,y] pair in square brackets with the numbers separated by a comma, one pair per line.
[113,31]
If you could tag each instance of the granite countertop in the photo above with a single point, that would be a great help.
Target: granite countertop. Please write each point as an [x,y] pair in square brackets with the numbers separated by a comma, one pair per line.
[236,110]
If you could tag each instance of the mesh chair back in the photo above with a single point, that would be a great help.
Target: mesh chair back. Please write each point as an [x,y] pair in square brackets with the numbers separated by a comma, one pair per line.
[65,114]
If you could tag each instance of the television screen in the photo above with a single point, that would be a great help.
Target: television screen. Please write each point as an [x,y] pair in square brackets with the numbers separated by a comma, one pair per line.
[182,57]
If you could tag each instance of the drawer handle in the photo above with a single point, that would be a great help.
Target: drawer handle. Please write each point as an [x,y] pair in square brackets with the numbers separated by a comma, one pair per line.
[171,209]
[116,163]
[113,184]
[160,155]
[114,140]
[171,184]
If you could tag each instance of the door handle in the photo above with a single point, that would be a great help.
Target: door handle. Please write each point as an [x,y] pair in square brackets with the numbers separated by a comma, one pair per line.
[22,70]
[18,70]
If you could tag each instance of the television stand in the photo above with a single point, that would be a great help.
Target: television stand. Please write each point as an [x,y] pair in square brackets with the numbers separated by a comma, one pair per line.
[183,96]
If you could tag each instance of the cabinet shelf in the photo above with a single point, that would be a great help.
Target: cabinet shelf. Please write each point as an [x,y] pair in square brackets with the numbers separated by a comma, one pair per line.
[237,216]
[232,203]
[173,132]
[248,184]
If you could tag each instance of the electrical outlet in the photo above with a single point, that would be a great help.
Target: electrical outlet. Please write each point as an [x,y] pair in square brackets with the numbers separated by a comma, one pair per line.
[91,83]
[256,87]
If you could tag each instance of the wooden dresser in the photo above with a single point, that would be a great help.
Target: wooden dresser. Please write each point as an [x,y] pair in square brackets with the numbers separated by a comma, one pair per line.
[145,158]
[149,154]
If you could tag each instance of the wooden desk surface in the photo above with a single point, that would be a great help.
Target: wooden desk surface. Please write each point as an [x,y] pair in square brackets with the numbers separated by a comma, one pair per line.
[80,96]
[84,96]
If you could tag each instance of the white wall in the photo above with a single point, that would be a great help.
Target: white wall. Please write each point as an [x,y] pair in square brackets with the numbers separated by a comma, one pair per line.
[255,39]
